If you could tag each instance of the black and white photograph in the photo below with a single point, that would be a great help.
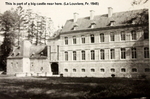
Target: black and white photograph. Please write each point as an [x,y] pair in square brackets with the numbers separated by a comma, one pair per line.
[74,49]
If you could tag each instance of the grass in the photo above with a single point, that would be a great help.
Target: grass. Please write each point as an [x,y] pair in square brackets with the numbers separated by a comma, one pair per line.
[72,88]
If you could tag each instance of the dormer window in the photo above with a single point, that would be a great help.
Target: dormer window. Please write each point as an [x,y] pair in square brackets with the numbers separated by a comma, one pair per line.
[133,22]
[92,24]
[18,47]
[18,54]
[112,23]
[12,54]
[32,54]
[41,53]
[75,26]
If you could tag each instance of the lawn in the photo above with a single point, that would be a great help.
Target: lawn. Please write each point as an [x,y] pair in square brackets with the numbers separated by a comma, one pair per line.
[72,88]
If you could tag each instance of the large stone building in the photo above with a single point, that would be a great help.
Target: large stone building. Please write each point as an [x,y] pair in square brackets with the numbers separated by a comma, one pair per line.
[95,46]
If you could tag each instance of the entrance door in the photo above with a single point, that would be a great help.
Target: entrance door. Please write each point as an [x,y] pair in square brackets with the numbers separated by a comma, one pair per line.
[54,68]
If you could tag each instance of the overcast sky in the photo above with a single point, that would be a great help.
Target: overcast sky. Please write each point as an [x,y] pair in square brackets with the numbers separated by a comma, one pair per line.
[60,13]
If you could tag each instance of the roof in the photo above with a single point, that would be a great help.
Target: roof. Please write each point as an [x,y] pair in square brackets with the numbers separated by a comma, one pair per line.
[101,21]
[35,51]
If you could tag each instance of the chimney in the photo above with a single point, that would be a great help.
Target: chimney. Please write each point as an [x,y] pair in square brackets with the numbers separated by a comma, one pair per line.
[92,14]
[110,11]
[75,17]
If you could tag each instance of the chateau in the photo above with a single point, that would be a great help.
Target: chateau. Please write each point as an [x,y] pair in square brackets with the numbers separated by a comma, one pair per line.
[94,46]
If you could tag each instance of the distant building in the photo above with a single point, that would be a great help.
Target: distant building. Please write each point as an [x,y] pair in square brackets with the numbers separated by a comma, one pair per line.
[95,46]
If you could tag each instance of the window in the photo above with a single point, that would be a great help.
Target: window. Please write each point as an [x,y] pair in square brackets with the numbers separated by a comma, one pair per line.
[83,55]
[102,56]
[92,38]
[112,70]
[133,35]
[66,56]
[74,39]
[146,34]
[66,40]
[146,52]
[102,70]
[123,70]
[112,36]
[83,38]
[83,70]
[74,70]
[41,69]
[123,53]
[92,55]
[122,35]
[92,70]
[102,37]
[134,70]
[147,70]
[66,70]
[112,53]
[74,55]
[133,52]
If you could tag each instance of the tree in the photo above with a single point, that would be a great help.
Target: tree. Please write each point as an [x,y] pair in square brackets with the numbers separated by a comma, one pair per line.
[8,21]
[137,2]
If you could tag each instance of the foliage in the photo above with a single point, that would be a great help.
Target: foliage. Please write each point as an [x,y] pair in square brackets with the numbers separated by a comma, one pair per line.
[8,21]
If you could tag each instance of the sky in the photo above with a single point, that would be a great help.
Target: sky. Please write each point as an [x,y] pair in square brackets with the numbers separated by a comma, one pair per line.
[60,13]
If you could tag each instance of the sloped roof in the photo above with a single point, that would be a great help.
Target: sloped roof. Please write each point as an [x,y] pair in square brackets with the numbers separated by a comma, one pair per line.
[120,18]
[36,51]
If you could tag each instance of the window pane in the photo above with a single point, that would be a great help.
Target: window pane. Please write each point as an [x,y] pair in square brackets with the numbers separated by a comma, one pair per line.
[112,53]
[102,70]
[92,55]
[102,56]
[74,55]
[133,52]
[146,34]
[123,70]
[146,52]
[83,55]
[122,35]
[101,37]
[74,40]
[66,40]
[66,56]
[92,38]
[123,53]
[112,70]
[133,35]
[134,70]
[112,36]
[83,38]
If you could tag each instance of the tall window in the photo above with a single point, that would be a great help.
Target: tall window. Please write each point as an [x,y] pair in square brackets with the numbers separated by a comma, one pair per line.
[112,36]
[122,35]
[112,53]
[74,39]
[133,35]
[66,40]
[102,56]
[74,55]
[146,52]
[83,55]
[83,38]
[102,39]
[92,55]
[123,53]
[66,56]
[146,34]
[134,53]
[92,38]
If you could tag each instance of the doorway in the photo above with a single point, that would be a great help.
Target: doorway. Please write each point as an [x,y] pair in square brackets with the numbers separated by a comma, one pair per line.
[54,68]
